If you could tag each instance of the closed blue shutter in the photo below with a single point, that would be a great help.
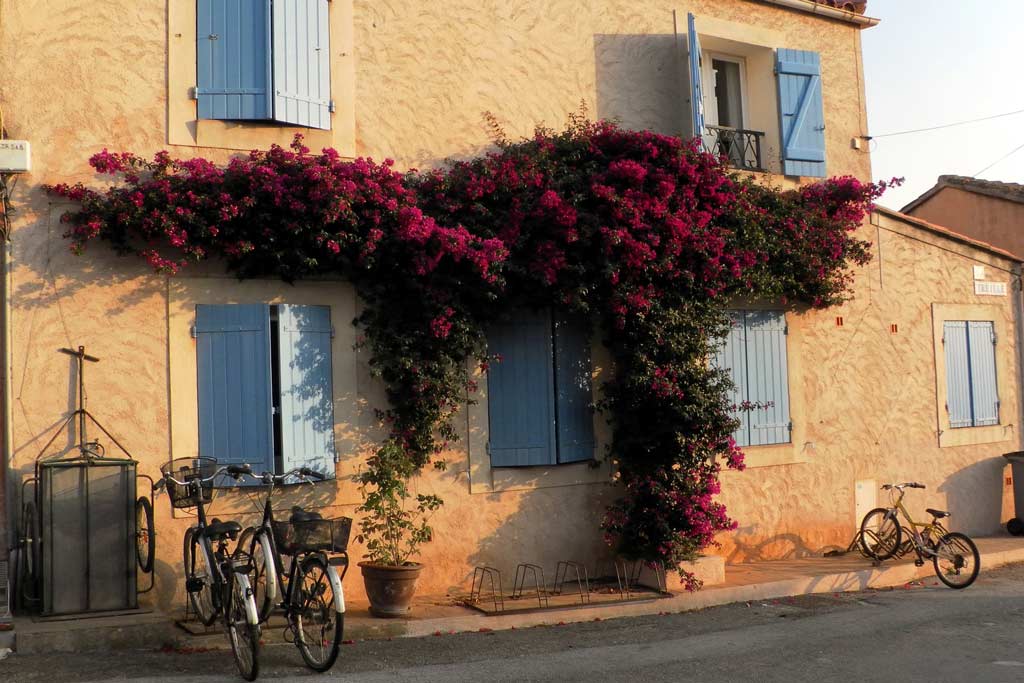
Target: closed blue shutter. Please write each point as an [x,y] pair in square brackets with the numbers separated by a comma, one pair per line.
[801,112]
[302,63]
[233,362]
[573,392]
[520,392]
[307,399]
[732,356]
[767,377]
[233,59]
[696,88]
[981,341]
[958,373]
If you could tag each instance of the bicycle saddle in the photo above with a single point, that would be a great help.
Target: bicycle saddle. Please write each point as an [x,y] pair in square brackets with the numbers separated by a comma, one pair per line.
[300,515]
[217,529]
[938,514]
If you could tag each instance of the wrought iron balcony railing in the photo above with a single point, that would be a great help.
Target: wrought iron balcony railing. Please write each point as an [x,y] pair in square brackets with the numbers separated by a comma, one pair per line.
[741,147]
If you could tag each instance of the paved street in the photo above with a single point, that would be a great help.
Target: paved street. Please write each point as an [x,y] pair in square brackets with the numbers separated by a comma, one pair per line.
[922,632]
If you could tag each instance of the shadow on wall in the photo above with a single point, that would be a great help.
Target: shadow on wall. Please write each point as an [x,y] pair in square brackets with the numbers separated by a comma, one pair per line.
[749,546]
[639,82]
[974,497]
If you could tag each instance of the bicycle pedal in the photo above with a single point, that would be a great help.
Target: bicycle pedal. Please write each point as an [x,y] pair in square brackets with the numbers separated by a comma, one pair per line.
[194,585]
[919,562]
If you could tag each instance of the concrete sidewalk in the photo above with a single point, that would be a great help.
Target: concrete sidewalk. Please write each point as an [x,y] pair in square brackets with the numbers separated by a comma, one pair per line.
[744,582]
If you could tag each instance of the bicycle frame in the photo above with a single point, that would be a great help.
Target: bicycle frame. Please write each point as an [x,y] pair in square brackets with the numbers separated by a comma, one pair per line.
[919,531]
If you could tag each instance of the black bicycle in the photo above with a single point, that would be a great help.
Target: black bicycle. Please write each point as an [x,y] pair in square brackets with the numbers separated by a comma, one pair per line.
[217,581]
[310,590]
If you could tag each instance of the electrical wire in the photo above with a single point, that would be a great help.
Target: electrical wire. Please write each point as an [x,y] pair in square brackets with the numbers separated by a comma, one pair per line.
[946,125]
[1005,156]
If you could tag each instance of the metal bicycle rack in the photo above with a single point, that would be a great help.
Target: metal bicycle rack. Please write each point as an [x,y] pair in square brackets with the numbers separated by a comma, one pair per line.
[80,539]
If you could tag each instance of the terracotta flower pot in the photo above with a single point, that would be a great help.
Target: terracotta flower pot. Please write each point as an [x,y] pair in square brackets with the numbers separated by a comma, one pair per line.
[390,588]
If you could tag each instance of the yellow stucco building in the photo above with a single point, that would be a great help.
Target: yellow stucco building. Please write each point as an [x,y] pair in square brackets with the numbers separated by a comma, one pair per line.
[866,383]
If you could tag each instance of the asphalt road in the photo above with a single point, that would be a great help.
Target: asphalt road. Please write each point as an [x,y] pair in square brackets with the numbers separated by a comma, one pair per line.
[923,632]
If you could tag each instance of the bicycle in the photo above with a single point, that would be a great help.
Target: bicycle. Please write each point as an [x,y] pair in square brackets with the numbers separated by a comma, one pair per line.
[954,555]
[311,590]
[217,582]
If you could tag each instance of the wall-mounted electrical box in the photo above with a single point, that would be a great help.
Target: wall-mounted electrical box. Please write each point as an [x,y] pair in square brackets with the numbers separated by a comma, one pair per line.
[15,156]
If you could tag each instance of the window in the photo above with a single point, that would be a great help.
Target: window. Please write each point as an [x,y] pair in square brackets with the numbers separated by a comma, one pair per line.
[724,105]
[264,386]
[263,60]
[754,352]
[972,399]
[539,394]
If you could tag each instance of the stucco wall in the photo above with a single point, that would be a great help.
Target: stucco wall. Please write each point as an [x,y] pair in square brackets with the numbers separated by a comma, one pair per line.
[999,222]
[419,76]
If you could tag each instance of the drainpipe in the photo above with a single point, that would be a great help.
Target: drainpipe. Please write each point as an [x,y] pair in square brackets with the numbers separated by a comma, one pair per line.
[1018,318]
[824,10]
[7,486]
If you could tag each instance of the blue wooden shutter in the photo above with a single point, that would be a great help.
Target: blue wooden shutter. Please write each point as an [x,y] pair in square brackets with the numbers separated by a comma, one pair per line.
[233,59]
[307,397]
[302,63]
[573,391]
[767,377]
[732,356]
[958,373]
[801,112]
[520,392]
[233,362]
[696,88]
[981,339]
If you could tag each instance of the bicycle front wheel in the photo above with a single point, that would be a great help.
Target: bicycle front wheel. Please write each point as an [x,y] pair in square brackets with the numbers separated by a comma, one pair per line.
[956,560]
[243,635]
[318,625]
[263,576]
[199,579]
[145,536]
[880,534]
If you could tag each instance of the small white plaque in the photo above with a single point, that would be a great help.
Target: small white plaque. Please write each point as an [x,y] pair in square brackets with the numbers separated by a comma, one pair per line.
[15,156]
[990,288]
[979,272]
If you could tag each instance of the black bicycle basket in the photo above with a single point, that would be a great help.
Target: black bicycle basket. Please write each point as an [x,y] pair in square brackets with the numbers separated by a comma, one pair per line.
[187,469]
[312,535]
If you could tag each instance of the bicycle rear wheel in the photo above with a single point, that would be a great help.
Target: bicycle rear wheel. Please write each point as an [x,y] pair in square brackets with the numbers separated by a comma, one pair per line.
[318,626]
[956,560]
[880,534]
[243,636]
[29,570]
[145,536]
[199,579]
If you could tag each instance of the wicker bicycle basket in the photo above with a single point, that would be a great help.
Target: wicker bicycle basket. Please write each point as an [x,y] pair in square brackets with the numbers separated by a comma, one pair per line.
[187,469]
[312,535]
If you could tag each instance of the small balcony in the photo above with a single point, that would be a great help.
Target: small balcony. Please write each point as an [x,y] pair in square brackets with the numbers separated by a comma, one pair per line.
[741,147]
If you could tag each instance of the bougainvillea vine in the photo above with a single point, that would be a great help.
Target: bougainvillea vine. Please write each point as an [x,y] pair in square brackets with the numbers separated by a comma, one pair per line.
[642,233]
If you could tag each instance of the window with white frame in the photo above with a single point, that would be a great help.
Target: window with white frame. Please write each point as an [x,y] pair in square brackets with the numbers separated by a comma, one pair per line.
[972,398]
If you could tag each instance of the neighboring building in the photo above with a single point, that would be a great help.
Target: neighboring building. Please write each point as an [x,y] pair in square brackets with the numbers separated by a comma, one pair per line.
[984,209]
[860,392]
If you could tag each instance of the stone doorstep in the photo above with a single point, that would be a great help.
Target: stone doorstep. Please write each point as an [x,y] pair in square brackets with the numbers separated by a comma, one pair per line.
[746,582]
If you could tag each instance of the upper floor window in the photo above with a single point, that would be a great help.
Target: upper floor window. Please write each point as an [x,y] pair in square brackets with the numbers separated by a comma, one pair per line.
[265,393]
[754,353]
[972,399]
[260,60]
[539,394]
[730,125]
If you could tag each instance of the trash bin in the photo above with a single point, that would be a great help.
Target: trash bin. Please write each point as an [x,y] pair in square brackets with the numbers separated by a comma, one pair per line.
[1016,525]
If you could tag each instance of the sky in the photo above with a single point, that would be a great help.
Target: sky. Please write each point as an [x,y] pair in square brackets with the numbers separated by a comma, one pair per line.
[934,62]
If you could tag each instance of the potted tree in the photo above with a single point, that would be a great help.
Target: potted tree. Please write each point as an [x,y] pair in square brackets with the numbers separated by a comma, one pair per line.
[392,527]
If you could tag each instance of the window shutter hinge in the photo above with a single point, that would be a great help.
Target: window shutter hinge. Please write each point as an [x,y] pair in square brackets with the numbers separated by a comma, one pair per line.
[193,93]
[487,447]
[330,106]
[993,336]
[785,329]
[192,331]
[333,331]
[790,426]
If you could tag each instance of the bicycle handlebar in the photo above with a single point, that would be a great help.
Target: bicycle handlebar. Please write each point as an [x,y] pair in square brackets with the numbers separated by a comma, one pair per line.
[906,484]
[301,472]
[235,471]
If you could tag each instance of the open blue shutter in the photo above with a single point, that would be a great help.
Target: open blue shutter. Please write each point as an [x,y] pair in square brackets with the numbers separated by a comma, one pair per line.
[573,392]
[233,362]
[307,398]
[732,356]
[801,112]
[696,88]
[302,63]
[958,373]
[981,341]
[767,377]
[520,392]
[233,59]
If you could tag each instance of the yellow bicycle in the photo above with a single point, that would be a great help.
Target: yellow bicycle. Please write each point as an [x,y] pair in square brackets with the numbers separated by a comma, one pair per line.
[953,554]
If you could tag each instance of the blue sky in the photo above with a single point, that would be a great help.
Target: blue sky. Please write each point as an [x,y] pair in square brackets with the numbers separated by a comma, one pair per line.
[933,62]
